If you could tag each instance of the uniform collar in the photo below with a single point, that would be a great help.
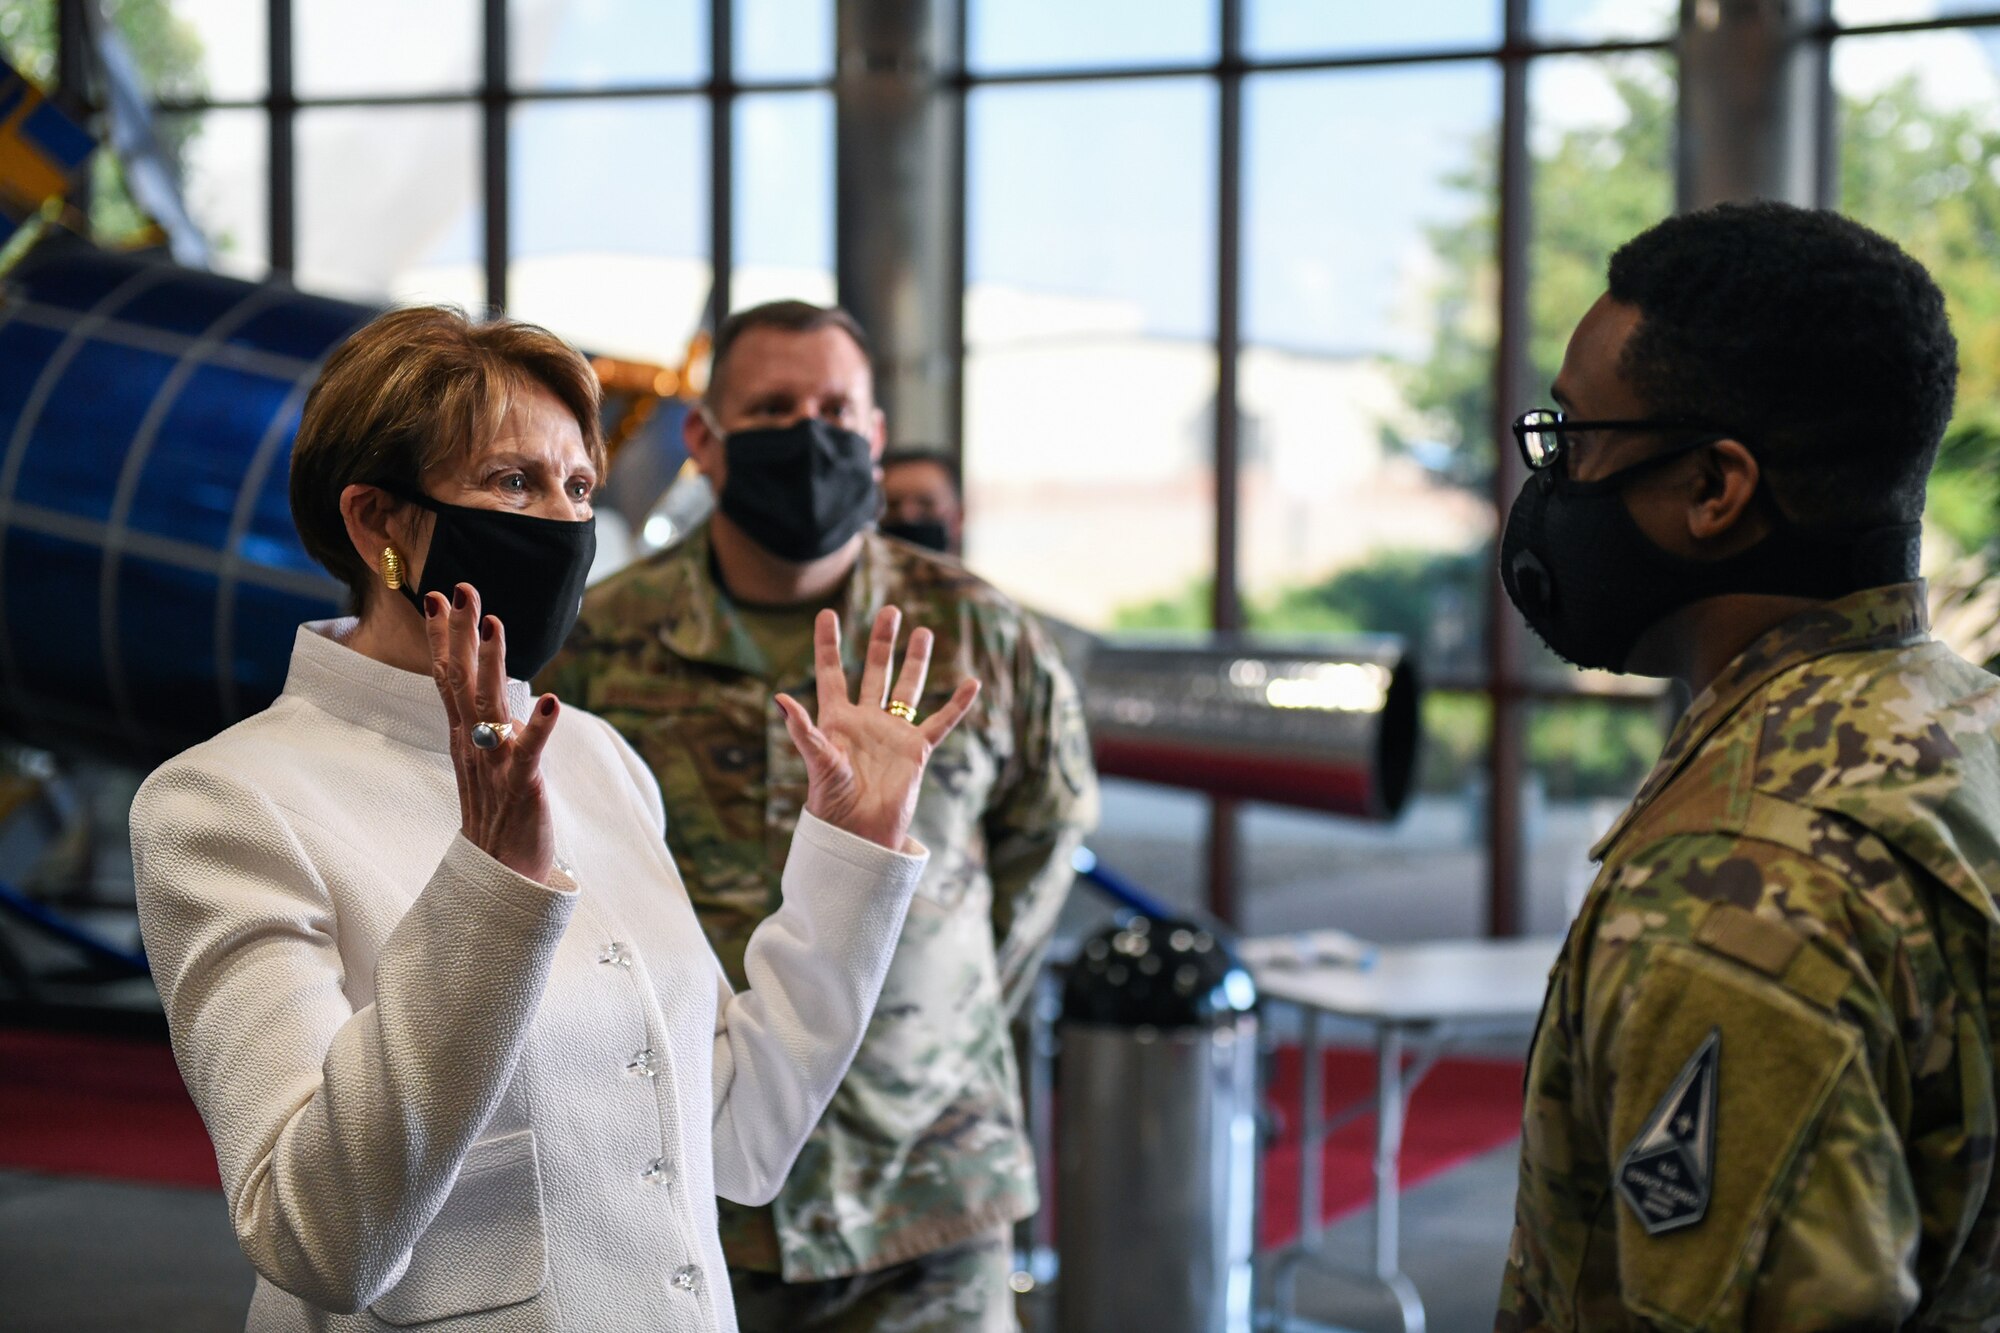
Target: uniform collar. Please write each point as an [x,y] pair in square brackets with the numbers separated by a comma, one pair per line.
[402,705]
[1894,615]
[703,623]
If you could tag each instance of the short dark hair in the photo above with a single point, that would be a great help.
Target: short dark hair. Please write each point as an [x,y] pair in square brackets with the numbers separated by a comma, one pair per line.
[1819,340]
[787,316]
[926,453]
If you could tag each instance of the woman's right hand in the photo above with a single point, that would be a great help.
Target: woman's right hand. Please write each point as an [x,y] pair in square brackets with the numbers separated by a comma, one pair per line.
[503,807]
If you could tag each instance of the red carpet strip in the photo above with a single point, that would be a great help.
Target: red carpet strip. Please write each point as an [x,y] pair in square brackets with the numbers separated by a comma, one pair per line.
[115,1109]
[1465,1107]
[109,1107]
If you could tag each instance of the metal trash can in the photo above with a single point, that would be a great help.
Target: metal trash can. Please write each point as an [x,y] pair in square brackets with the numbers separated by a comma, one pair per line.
[1156,1135]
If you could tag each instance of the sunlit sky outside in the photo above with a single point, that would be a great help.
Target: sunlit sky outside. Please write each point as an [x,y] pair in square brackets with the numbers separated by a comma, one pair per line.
[1344,171]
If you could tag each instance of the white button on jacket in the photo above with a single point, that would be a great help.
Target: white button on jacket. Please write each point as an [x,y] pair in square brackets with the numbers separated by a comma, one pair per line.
[439,1090]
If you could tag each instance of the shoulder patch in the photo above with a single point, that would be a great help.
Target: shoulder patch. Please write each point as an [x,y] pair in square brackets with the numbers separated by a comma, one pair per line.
[1666,1172]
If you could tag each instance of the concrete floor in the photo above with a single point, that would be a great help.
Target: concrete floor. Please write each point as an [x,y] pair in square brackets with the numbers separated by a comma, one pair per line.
[93,1257]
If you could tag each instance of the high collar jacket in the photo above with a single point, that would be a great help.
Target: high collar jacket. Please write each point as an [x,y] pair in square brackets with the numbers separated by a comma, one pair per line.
[440,1091]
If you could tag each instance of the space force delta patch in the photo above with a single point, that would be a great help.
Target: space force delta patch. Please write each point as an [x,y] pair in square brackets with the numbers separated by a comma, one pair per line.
[1666,1173]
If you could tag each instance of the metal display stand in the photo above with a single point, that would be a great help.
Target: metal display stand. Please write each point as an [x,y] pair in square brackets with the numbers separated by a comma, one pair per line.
[1420,998]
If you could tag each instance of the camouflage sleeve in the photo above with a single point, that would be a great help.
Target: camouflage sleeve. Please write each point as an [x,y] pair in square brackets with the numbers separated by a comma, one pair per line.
[1040,814]
[1755,1176]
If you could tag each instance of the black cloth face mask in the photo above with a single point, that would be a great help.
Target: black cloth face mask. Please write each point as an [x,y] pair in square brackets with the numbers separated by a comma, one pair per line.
[926,532]
[529,572]
[799,491]
[1589,582]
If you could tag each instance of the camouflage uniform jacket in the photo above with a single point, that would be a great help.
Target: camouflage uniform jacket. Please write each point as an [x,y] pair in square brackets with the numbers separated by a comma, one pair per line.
[923,1147]
[1762,1091]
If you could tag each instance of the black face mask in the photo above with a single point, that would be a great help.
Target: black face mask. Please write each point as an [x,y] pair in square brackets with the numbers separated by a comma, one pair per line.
[528,571]
[1590,582]
[799,491]
[927,532]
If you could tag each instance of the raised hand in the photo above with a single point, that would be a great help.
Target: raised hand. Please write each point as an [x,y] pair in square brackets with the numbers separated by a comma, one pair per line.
[503,808]
[864,763]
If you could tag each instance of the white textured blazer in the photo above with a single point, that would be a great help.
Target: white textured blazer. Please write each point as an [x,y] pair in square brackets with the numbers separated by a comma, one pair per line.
[443,1094]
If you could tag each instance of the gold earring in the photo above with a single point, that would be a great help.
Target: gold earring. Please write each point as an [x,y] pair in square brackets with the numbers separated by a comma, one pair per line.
[392,567]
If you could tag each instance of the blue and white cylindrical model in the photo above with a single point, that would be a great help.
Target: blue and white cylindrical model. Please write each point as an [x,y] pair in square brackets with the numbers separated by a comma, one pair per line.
[150,576]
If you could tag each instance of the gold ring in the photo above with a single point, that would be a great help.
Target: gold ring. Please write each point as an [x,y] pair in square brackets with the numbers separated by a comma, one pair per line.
[900,709]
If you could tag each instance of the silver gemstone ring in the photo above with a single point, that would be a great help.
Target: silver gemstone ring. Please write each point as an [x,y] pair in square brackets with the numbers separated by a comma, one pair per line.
[488,735]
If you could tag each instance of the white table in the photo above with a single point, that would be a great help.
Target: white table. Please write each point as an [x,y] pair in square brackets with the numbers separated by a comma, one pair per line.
[1427,994]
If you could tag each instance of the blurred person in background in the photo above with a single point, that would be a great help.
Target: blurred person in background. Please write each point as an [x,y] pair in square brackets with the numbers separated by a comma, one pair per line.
[923,500]
[1762,1092]
[465,1054]
[899,1210]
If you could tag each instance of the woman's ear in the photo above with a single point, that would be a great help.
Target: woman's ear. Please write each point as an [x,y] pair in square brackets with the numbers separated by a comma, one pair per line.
[1722,508]
[377,520]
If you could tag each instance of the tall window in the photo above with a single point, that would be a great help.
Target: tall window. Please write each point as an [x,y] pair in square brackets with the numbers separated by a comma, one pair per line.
[604,167]
[1362,203]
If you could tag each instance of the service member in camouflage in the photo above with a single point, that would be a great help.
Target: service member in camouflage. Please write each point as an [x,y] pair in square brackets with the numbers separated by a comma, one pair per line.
[897,1212]
[1762,1092]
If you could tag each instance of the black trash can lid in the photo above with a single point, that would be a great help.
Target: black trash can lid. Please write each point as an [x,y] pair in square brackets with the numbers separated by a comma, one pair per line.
[1157,973]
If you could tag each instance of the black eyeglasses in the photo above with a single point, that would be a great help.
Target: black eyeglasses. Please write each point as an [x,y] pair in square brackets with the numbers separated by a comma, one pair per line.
[1544,433]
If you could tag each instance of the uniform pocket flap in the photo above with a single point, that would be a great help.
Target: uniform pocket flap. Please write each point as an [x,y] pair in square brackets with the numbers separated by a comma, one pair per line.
[485,1249]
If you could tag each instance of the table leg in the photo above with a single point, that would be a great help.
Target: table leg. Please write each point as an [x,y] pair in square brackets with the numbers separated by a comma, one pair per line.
[1312,1134]
[1389,1091]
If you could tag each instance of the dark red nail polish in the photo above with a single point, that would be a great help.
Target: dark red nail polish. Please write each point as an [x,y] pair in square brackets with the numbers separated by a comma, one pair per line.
[549,706]
[430,607]
[458,598]
[486,631]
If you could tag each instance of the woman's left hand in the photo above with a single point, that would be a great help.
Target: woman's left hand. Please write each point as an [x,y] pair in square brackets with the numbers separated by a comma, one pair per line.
[864,763]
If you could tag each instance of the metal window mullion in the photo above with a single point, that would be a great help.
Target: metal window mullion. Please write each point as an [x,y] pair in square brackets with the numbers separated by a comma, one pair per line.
[1505,638]
[957,262]
[282,181]
[1225,815]
[721,159]
[1826,111]
[494,105]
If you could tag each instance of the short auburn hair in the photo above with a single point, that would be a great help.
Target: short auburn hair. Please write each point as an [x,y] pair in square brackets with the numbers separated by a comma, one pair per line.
[411,392]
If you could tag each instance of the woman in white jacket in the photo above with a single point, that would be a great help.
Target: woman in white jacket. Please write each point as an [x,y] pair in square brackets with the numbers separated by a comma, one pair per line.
[465,1054]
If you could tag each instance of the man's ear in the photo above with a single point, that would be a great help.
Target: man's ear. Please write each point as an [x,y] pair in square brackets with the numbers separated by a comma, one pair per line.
[703,445]
[1725,487]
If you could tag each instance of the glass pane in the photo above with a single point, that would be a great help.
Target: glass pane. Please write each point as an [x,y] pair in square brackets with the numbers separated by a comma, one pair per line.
[1281,29]
[389,203]
[783,39]
[1856,12]
[1060,34]
[1421,877]
[606,43]
[386,46]
[1601,135]
[1919,134]
[784,198]
[615,259]
[1090,374]
[218,49]
[1366,374]
[1603,20]
[225,164]
[28,36]
[1586,759]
